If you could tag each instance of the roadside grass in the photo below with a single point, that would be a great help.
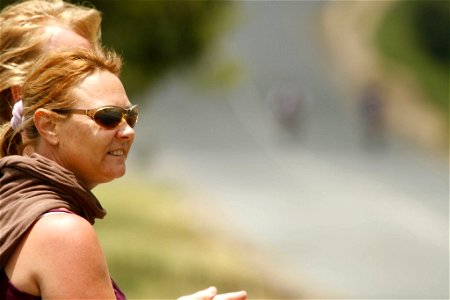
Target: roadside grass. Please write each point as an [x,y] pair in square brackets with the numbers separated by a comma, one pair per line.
[398,44]
[157,249]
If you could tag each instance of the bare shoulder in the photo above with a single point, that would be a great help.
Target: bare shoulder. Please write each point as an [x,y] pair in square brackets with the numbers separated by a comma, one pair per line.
[56,229]
[67,259]
[63,236]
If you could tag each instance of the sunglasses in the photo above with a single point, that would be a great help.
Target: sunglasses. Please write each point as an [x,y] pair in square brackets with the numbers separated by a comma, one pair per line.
[108,117]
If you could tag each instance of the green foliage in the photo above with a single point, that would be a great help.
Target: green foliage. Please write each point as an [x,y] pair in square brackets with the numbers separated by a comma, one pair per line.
[401,39]
[431,22]
[156,36]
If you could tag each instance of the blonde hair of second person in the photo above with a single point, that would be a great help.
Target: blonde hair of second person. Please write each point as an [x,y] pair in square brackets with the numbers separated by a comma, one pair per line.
[34,27]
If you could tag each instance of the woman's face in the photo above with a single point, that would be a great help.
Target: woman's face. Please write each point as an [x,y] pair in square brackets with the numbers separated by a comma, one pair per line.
[93,153]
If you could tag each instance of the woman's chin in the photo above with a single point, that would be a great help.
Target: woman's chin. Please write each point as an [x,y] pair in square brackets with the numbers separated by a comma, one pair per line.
[114,174]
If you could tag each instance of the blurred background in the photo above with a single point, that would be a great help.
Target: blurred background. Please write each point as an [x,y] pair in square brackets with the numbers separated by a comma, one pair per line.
[295,149]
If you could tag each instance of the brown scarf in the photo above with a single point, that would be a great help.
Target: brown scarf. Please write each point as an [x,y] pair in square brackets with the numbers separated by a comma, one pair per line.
[30,187]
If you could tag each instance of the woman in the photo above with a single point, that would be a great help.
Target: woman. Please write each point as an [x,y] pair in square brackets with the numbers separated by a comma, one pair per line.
[72,130]
[35,27]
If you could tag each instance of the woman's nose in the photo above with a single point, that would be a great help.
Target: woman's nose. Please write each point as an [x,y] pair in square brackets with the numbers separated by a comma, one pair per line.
[125,131]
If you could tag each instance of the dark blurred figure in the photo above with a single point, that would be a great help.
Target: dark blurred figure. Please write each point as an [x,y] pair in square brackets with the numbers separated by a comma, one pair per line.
[288,104]
[372,111]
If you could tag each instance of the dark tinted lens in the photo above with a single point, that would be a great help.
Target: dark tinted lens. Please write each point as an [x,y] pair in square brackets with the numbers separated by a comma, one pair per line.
[109,117]
[132,116]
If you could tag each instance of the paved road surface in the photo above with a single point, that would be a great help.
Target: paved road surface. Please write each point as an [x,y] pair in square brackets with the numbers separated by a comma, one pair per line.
[338,218]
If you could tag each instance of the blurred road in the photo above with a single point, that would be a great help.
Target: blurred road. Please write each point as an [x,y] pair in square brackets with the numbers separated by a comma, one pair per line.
[339,218]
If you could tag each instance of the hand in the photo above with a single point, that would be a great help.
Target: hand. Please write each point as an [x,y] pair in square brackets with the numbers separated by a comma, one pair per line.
[211,294]
[242,295]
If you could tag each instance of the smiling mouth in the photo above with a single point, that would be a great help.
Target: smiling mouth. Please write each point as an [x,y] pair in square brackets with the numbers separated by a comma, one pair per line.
[116,153]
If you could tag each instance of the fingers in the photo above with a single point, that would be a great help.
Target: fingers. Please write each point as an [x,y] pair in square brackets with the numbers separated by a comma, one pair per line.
[211,294]
[242,295]
[207,294]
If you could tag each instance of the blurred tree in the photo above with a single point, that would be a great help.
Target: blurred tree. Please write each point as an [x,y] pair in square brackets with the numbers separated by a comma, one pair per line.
[431,21]
[415,34]
[156,36]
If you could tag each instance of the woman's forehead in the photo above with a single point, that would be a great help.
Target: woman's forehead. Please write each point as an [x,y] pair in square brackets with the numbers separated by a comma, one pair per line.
[100,88]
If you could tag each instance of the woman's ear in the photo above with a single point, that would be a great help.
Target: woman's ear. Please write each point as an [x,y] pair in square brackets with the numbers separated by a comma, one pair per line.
[45,122]
[16,92]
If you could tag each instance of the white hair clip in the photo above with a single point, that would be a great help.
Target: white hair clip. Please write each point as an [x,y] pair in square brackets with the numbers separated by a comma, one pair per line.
[17,115]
